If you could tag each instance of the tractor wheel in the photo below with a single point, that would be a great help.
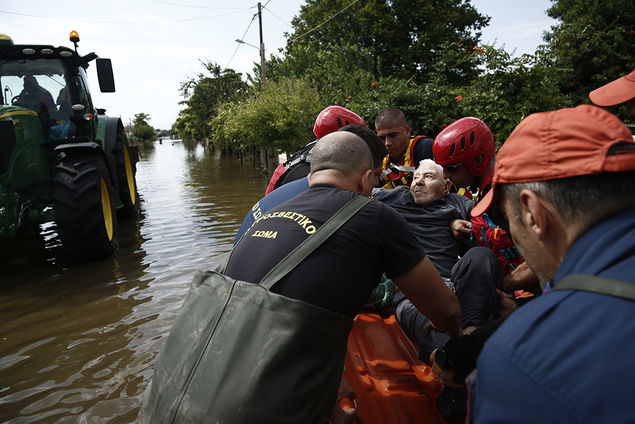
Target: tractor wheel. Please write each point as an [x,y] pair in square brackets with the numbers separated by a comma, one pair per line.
[85,206]
[126,171]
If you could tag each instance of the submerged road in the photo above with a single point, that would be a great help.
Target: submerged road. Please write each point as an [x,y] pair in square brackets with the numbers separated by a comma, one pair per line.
[78,340]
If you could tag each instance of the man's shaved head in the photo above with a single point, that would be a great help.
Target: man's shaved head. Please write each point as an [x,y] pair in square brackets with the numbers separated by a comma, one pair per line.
[341,151]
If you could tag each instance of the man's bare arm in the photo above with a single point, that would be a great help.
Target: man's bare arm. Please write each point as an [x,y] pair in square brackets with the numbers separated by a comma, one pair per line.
[425,289]
[521,278]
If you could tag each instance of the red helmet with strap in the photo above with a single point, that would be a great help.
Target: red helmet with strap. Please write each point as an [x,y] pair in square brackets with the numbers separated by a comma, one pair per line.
[463,141]
[333,118]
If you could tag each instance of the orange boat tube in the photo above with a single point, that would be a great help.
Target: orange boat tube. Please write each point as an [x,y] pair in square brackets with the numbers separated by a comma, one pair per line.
[391,384]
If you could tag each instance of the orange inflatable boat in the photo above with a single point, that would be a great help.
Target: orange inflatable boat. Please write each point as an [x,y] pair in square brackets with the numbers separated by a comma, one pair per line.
[391,384]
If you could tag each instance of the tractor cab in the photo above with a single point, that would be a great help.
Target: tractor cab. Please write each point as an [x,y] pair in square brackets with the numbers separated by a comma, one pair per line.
[52,82]
[61,158]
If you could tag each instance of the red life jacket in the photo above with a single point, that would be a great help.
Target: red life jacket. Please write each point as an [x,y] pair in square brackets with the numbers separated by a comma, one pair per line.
[274,178]
[393,175]
[301,157]
[492,236]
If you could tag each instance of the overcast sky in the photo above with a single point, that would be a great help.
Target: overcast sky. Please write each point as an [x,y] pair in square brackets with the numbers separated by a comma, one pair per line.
[156,44]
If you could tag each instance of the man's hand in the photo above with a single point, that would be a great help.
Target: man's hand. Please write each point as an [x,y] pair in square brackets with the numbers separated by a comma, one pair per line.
[344,416]
[460,228]
[521,278]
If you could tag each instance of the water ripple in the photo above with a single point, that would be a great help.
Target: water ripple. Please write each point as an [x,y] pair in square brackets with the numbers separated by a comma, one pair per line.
[78,341]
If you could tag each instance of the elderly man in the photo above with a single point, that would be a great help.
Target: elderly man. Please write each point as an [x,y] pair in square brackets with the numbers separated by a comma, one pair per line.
[562,180]
[429,209]
[404,152]
[466,151]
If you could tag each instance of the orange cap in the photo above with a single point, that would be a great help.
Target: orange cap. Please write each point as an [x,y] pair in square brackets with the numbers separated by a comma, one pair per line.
[563,143]
[615,92]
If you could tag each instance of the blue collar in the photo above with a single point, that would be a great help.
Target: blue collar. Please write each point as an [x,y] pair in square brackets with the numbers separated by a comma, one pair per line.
[607,248]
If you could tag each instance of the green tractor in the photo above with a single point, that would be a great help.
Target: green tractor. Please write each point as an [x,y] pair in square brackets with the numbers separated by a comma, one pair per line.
[61,158]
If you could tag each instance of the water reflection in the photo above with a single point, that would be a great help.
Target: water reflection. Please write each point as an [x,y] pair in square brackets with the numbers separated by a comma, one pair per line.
[77,341]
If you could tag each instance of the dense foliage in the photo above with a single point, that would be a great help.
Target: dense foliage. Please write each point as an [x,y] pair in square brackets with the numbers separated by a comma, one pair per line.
[424,57]
[203,95]
[403,36]
[593,41]
[141,129]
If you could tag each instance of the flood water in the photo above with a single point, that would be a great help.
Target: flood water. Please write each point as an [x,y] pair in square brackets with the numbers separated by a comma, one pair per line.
[78,340]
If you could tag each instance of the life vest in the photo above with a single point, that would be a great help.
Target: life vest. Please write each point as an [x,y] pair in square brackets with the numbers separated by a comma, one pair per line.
[393,175]
[300,158]
[274,178]
[488,234]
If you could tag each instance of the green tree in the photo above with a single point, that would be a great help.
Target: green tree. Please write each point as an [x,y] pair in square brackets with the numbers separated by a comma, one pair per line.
[403,36]
[203,95]
[337,73]
[141,119]
[509,89]
[281,117]
[427,106]
[141,129]
[594,40]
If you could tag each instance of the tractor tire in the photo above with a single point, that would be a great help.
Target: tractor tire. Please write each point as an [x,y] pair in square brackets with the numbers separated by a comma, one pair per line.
[85,206]
[126,171]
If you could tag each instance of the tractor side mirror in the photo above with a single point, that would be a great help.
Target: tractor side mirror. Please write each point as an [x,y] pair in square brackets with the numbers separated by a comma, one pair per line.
[105,76]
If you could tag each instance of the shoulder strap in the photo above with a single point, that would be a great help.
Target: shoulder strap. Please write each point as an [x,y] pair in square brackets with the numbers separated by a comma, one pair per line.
[303,250]
[596,284]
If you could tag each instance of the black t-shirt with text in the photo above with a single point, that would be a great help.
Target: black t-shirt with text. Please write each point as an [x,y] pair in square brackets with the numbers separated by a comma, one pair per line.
[341,273]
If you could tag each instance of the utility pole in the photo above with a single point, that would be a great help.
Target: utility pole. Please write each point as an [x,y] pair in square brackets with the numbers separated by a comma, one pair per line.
[263,152]
[262,48]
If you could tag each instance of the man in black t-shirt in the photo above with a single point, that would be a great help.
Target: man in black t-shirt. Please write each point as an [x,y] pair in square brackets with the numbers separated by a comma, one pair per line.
[341,273]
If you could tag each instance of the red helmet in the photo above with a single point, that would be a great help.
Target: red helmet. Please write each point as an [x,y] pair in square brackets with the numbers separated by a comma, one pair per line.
[333,118]
[463,141]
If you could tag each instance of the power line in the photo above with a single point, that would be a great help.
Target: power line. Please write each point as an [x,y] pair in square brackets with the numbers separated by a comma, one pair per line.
[329,19]
[279,18]
[239,44]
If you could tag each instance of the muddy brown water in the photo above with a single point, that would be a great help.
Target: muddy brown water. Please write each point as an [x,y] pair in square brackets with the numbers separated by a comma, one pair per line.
[78,340]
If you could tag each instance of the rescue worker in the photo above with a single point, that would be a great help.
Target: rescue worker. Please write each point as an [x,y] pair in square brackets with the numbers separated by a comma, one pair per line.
[565,357]
[287,191]
[404,152]
[340,275]
[465,149]
[329,120]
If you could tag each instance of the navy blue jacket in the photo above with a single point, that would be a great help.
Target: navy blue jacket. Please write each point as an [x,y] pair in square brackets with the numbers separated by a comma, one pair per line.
[270,201]
[568,356]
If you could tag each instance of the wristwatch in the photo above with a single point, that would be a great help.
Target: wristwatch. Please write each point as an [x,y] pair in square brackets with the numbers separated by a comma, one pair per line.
[442,360]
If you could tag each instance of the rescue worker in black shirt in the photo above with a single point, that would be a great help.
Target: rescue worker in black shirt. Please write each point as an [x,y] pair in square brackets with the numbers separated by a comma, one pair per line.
[340,274]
